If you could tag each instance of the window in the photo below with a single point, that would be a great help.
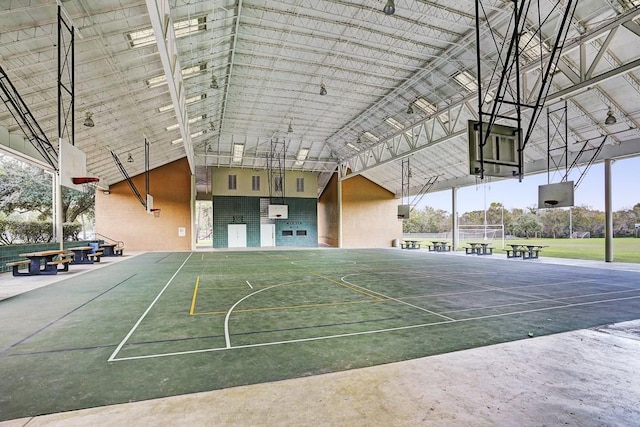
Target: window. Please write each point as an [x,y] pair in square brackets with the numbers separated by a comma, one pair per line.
[255,183]
[232,182]
[277,183]
[300,185]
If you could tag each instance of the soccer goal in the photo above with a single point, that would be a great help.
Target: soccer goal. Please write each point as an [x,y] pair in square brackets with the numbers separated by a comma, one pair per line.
[481,233]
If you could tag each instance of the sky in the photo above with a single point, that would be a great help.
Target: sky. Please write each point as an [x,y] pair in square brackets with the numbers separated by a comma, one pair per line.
[625,175]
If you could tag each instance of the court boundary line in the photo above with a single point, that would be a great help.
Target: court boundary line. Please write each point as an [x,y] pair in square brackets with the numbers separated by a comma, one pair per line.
[395,299]
[375,331]
[135,326]
[227,338]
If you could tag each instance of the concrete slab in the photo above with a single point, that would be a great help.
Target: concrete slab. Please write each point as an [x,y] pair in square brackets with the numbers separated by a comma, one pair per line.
[586,378]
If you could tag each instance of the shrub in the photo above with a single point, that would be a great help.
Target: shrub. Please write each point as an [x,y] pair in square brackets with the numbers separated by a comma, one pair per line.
[34,231]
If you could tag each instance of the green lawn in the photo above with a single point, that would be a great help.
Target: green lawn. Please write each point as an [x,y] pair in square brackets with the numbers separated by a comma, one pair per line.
[625,249]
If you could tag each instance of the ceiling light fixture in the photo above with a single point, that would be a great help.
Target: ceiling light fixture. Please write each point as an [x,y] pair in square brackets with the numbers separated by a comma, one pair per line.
[88,121]
[410,108]
[214,82]
[611,119]
[389,8]
[130,158]
[323,90]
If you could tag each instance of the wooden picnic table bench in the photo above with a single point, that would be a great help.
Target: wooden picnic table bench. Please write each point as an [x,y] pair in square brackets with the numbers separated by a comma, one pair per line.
[478,248]
[439,246]
[41,262]
[410,244]
[524,251]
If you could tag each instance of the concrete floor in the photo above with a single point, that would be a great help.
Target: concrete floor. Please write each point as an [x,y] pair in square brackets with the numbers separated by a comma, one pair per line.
[579,378]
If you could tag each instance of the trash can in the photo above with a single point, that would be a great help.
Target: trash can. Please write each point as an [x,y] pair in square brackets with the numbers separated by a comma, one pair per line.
[395,243]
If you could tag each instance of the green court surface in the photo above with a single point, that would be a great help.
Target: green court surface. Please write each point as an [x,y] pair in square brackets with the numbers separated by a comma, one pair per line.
[162,324]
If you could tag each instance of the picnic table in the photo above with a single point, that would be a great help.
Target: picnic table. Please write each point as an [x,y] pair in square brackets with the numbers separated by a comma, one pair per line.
[524,250]
[478,248]
[111,249]
[41,262]
[82,255]
[439,246]
[410,244]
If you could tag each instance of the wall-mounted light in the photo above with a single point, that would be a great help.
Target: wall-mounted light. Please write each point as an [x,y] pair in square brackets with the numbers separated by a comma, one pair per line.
[214,82]
[323,90]
[129,158]
[290,129]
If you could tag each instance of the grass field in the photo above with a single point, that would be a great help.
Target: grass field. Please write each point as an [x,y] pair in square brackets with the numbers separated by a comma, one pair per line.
[624,249]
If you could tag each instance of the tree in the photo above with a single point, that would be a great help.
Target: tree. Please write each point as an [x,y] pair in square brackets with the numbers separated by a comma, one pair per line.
[24,188]
[555,222]
[528,224]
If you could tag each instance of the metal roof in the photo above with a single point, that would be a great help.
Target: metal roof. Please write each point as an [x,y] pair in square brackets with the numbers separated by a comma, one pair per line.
[269,60]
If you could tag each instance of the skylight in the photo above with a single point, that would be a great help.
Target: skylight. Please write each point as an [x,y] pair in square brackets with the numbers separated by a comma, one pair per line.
[147,37]
[191,121]
[238,149]
[371,136]
[393,123]
[302,156]
[531,47]
[193,135]
[191,100]
[186,73]
[467,81]
[424,105]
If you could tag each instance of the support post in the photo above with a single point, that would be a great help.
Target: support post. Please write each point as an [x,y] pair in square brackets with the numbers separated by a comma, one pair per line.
[340,242]
[454,219]
[57,191]
[608,213]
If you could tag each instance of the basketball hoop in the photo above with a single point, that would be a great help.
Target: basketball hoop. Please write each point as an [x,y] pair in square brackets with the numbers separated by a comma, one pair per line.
[156,212]
[87,182]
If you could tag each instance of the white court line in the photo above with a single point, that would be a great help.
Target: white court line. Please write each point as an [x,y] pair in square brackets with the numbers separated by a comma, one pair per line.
[394,299]
[133,329]
[227,339]
[399,328]
[249,284]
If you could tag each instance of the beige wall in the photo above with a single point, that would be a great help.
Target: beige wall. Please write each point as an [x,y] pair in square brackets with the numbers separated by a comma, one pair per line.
[369,214]
[328,214]
[121,216]
[220,183]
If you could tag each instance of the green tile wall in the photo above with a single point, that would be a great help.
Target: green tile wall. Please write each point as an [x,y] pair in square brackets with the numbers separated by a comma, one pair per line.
[303,215]
[236,210]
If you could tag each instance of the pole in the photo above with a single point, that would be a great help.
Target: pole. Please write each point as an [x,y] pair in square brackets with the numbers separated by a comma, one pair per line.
[454,219]
[608,213]
[484,187]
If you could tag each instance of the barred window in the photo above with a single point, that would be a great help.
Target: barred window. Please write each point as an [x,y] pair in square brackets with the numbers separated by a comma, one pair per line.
[300,185]
[232,182]
[255,183]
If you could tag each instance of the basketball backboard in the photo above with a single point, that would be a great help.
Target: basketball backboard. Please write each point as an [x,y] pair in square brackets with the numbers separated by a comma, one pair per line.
[500,154]
[559,195]
[279,211]
[403,211]
[149,203]
[73,164]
